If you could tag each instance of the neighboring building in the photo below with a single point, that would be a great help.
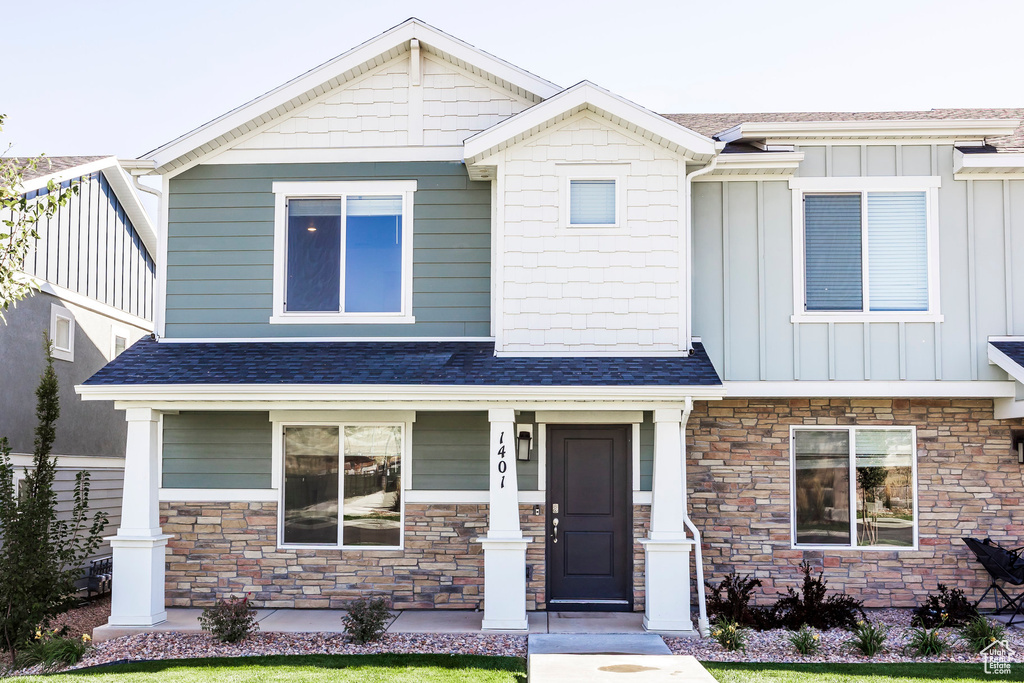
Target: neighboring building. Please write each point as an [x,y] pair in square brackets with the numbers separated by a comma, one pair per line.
[94,270]
[384,281]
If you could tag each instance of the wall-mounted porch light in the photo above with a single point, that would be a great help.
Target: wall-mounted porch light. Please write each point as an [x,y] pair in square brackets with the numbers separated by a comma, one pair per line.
[523,439]
[1017,439]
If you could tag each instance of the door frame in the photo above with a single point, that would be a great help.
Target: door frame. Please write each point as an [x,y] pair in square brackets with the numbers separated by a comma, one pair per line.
[628,429]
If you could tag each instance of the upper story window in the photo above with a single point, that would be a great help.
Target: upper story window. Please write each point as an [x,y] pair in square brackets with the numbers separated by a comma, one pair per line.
[592,195]
[62,333]
[854,487]
[866,248]
[343,252]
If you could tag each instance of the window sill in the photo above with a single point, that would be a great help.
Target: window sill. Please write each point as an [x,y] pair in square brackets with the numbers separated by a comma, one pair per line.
[345,548]
[342,319]
[868,317]
[858,548]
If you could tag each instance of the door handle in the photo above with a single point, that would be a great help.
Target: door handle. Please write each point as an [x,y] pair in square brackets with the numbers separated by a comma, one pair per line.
[554,527]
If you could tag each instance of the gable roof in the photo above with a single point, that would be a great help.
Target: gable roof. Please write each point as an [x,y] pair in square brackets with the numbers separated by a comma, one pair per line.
[588,96]
[61,168]
[332,74]
[714,124]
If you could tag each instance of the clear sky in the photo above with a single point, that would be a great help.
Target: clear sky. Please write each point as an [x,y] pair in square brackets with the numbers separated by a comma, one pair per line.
[119,77]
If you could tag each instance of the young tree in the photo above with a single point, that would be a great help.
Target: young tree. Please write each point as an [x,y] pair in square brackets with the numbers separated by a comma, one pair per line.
[19,218]
[41,555]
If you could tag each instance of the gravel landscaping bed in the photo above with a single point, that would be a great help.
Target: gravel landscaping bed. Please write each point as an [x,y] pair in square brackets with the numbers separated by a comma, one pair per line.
[774,646]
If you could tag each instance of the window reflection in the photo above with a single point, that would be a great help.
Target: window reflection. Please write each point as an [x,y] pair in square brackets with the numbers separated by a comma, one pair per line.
[373,485]
[822,487]
[311,485]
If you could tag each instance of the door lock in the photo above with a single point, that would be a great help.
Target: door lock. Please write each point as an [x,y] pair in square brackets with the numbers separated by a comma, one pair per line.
[554,508]
[554,527]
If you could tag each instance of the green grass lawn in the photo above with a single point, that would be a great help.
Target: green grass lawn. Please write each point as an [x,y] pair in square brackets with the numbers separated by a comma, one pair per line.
[729,672]
[300,668]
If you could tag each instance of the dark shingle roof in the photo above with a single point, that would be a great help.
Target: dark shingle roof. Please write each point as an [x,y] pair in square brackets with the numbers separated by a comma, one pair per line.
[400,363]
[712,124]
[50,165]
[1014,350]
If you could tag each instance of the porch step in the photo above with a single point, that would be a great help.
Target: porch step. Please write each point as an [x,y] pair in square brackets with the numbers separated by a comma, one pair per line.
[555,668]
[596,644]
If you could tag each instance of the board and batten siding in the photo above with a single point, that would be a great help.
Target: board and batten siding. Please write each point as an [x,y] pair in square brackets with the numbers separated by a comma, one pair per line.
[743,277]
[91,247]
[220,251]
[217,450]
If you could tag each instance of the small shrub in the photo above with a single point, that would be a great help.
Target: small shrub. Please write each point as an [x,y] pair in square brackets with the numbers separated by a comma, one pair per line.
[730,635]
[948,608]
[230,620]
[868,638]
[366,620]
[812,608]
[52,649]
[926,642]
[979,633]
[806,641]
[734,605]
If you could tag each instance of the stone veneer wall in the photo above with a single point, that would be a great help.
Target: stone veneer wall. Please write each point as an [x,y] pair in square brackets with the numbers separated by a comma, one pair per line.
[969,484]
[221,549]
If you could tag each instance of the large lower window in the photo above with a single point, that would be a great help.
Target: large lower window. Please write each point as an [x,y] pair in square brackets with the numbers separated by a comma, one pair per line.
[343,252]
[854,487]
[342,486]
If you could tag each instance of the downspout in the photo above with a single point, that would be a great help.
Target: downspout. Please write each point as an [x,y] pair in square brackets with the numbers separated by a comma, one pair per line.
[688,236]
[703,625]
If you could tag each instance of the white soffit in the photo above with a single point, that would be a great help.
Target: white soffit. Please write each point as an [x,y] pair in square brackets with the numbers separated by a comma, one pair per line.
[332,74]
[745,164]
[587,96]
[120,183]
[782,132]
[971,164]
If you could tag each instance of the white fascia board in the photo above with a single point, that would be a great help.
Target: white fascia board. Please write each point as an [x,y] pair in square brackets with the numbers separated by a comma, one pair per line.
[517,128]
[758,163]
[870,389]
[112,170]
[219,495]
[1004,362]
[908,128]
[164,393]
[193,141]
[989,164]
[75,462]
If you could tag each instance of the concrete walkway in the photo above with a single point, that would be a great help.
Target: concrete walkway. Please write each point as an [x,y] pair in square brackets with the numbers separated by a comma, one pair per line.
[181,619]
[600,668]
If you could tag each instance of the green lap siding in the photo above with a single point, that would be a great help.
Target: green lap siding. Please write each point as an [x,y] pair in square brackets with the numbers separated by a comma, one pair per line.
[217,451]
[647,452]
[450,452]
[221,250]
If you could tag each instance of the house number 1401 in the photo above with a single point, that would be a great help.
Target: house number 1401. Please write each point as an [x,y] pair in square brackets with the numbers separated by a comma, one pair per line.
[502,465]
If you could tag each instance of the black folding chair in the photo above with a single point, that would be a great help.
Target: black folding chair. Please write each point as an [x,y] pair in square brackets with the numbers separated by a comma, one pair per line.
[1002,564]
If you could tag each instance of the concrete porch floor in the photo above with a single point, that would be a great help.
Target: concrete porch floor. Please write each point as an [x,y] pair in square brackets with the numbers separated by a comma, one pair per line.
[408,621]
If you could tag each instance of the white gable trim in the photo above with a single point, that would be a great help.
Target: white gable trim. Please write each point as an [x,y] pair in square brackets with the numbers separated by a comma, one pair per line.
[586,95]
[327,76]
[120,183]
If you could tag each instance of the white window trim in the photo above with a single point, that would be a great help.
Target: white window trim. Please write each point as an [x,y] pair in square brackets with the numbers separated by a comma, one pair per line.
[803,186]
[115,332]
[62,353]
[571,172]
[19,476]
[277,477]
[850,429]
[332,189]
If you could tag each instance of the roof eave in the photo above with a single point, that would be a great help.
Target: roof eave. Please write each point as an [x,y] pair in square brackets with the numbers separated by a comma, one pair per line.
[168,156]
[797,131]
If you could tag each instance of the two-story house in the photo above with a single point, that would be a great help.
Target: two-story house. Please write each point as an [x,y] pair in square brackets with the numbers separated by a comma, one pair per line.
[93,272]
[432,327]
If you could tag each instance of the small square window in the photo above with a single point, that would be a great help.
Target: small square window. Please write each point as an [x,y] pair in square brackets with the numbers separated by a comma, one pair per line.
[118,341]
[62,333]
[592,202]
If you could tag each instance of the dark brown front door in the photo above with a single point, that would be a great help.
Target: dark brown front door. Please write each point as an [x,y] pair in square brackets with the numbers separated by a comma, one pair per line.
[589,548]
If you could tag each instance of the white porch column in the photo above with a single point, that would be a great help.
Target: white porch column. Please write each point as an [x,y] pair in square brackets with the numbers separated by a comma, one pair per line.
[139,547]
[504,545]
[667,548]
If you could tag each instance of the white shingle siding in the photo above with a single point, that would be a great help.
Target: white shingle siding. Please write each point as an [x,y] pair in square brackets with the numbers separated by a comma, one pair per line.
[374,110]
[591,289]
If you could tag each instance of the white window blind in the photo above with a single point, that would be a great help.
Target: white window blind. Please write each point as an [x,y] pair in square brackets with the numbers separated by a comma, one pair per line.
[898,251]
[832,224]
[592,202]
